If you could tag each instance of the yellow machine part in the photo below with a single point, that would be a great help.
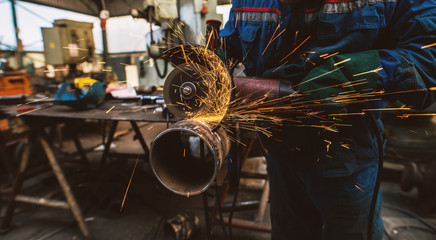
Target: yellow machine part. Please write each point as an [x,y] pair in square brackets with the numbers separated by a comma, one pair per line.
[81,82]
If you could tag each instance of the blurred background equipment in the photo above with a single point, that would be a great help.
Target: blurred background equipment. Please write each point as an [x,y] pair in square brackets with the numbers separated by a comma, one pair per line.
[14,85]
[68,42]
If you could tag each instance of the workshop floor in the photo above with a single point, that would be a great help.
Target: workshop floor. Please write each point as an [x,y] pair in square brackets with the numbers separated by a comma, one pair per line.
[148,205]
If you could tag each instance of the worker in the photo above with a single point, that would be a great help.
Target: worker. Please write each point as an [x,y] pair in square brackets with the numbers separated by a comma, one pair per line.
[323,182]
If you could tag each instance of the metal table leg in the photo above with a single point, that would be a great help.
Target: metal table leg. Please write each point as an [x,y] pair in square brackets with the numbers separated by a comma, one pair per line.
[18,183]
[71,203]
[75,209]
[140,138]
[108,142]
[4,156]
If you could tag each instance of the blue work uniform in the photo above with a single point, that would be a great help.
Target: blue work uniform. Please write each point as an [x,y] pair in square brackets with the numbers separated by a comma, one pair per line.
[321,182]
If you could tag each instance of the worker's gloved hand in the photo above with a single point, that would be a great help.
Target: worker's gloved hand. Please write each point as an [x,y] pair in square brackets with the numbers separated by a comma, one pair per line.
[341,80]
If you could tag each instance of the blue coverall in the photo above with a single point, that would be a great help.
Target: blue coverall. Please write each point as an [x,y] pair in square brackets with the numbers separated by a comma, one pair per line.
[320,192]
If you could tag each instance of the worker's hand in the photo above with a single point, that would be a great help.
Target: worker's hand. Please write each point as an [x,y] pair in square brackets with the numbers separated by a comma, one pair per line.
[341,80]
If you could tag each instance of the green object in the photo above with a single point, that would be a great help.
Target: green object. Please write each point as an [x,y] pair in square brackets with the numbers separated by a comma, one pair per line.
[350,75]
[221,54]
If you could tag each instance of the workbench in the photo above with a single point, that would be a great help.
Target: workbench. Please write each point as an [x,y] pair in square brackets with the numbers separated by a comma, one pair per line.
[40,115]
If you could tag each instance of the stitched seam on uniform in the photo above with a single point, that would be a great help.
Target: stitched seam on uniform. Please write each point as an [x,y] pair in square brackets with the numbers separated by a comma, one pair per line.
[268,17]
[340,6]
[346,7]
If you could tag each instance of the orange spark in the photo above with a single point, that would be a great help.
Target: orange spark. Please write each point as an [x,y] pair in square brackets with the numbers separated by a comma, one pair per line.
[128,186]
[358,188]
[346,60]
[371,71]
[110,109]
[331,55]
[295,49]
[427,46]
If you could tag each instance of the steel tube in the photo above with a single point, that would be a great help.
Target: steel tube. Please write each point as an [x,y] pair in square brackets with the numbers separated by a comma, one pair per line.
[187,157]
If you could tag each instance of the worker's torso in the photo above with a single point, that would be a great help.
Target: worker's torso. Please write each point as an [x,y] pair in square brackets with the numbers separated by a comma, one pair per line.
[274,36]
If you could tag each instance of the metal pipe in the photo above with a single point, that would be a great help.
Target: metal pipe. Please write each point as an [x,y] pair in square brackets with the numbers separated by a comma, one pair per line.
[239,223]
[263,202]
[177,161]
[42,201]
[18,49]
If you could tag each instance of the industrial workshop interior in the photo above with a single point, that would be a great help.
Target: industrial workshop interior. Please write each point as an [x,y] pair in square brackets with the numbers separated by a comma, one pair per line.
[146,120]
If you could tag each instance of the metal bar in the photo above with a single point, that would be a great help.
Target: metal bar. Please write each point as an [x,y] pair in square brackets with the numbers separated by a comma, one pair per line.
[263,202]
[244,205]
[108,142]
[18,183]
[17,49]
[239,223]
[42,201]
[253,175]
[105,44]
[75,209]
[140,138]
[79,148]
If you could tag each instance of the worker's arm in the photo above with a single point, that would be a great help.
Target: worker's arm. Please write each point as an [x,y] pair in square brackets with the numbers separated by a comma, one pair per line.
[409,68]
[230,47]
[405,60]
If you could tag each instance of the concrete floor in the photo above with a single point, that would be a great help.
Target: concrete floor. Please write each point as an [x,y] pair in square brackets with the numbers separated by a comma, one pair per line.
[148,205]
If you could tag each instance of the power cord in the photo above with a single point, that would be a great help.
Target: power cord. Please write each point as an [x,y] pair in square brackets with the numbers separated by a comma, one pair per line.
[377,183]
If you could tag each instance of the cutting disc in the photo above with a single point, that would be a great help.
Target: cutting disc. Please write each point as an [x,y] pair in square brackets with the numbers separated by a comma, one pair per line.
[199,87]
[187,92]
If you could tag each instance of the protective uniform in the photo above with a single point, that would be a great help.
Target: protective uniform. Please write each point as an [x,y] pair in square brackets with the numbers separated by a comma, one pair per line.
[322,182]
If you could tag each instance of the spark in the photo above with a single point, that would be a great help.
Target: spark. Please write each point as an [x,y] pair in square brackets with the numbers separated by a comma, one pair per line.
[38,100]
[184,55]
[280,66]
[344,61]
[328,144]
[101,62]
[345,146]
[427,46]
[150,128]
[128,186]
[386,109]
[371,71]
[416,115]
[187,195]
[331,55]
[272,38]
[295,49]
[110,109]
[346,114]
[332,71]
[358,188]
